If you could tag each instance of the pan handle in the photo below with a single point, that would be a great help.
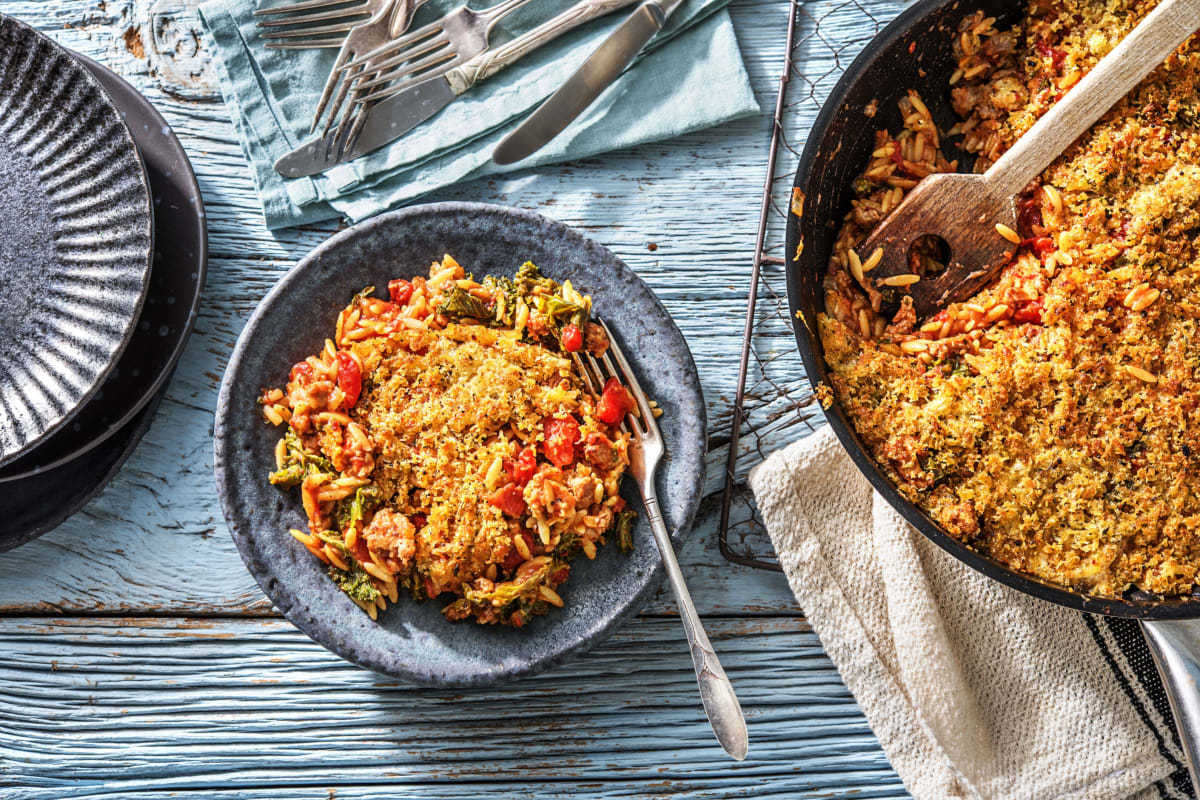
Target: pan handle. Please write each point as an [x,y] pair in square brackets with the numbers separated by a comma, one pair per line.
[1175,645]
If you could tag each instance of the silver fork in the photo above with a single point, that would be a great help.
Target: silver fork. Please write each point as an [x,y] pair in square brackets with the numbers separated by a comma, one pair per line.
[462,33]
[646,449]
[372,58]
[326,24]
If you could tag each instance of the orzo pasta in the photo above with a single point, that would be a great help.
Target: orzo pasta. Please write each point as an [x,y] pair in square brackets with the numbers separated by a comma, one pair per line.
[443,444]
[1048,421]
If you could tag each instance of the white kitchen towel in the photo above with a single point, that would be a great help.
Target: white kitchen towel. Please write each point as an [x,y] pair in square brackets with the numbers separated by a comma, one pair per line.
[973,689]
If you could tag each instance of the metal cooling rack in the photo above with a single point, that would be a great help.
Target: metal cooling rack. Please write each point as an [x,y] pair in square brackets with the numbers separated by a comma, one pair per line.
[774,405]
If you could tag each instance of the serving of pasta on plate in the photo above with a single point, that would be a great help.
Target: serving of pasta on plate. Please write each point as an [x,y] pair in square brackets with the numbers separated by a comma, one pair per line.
[443,444]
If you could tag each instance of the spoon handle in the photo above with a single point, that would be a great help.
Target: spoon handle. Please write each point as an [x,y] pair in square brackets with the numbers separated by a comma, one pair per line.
[1143,49]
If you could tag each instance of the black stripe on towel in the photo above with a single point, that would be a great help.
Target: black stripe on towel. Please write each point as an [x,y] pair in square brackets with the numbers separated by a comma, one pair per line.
[1179,779]
[1128,635]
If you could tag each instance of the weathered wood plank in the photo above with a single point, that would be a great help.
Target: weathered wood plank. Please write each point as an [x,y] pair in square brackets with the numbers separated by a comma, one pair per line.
[137,707]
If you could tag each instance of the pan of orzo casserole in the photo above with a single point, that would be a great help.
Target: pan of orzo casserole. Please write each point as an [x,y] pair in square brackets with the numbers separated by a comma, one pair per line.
[410,464]
[1044,431]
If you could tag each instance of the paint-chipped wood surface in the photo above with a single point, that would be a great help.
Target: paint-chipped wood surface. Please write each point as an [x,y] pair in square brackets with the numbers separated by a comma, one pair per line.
[138,659]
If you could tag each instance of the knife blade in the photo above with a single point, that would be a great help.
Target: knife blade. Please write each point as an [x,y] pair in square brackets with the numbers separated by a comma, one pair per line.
[388,120]
[602,67]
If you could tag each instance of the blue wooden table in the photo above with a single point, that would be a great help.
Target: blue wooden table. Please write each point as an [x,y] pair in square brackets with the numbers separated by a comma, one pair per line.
[138,659]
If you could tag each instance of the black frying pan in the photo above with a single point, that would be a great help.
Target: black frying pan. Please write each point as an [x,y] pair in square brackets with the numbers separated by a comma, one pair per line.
[914,52]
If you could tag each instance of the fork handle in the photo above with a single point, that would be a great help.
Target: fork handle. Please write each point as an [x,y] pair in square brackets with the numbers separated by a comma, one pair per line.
[491,61]
[720,703]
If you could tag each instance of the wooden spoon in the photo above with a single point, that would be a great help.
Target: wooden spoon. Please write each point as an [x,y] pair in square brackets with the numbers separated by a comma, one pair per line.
[965,210]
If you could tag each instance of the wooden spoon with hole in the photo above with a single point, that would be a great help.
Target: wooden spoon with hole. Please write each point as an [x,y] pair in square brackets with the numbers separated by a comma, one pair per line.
[965,210]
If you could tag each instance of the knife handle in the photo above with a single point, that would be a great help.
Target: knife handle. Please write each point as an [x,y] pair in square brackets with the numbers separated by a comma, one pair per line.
[489,62]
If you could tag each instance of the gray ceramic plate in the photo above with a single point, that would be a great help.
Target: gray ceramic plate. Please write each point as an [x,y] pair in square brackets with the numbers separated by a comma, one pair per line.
[75,236]
[412,640]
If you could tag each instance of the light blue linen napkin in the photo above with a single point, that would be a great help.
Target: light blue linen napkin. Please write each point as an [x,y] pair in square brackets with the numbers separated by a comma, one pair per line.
[690,77]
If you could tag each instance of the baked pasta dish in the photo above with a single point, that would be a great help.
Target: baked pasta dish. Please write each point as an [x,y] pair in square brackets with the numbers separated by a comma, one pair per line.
[443,444]
[1049,421]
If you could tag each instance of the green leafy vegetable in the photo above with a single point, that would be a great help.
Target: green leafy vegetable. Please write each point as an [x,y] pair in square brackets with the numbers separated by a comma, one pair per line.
[355,582]
[336,540]
[559,312]
[529,281]
[367,291]
[507,591]
[352,509]
[568,545]
[460,303]
[863,187]
[298,463]
[505,310]
[289,477]
[624,530]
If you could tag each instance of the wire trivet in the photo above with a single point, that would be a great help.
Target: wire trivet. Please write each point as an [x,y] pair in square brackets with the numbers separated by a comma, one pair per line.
[774,403]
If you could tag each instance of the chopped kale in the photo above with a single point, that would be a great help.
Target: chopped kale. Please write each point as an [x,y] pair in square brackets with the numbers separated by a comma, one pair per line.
[334,539]
[559,312]
[352,509]
[529,280]
[568,545]
[504,312]
[459,304]
[864,187]
[367,291]
[623,527]
[504,593]
[355,582]
[298,463]
[289,477]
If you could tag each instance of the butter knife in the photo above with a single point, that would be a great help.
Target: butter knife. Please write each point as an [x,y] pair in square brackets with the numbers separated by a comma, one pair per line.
[397,115]
[602,68]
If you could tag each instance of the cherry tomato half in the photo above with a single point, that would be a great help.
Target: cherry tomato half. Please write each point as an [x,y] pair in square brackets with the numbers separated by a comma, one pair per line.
[301,368]
[561,434]
[400,290]
[572,339]
[509,500]
[523,468]
[615,403]
[1030,312]
[349,378]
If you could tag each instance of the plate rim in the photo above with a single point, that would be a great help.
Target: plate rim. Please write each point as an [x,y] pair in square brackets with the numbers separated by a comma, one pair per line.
[276,591]
[146,195]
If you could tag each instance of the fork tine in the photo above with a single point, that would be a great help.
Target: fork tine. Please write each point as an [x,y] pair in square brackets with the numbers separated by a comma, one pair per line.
[342,133]
[400,42]
[307,19]
[440,54]
[360,119]
[345,83]
[587,375]
[327,91]
[303,5]
[631,381]
[307,44]
[307,32]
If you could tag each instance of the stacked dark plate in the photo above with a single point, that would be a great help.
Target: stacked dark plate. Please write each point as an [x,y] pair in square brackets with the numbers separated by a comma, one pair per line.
[103,247]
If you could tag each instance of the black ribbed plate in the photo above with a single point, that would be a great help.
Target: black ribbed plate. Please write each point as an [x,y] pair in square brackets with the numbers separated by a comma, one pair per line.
[75,236]
[169,313]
